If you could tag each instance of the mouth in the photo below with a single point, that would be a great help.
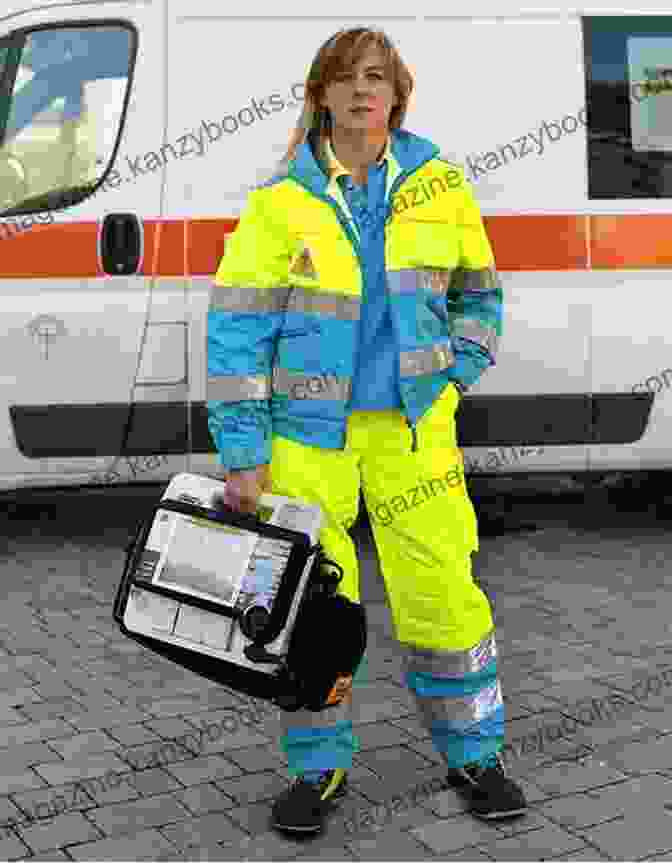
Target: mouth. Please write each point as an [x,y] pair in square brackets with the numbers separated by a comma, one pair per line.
[361,110]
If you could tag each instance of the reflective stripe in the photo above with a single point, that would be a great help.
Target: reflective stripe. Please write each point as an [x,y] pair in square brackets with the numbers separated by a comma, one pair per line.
[468,328]
[293,299]
[320,303]
[438,281]
[225,298]
[323,387]
[451,663]
[476,280]
[306,719]
[460,713]
[426,360]
[235,388]
[419,279]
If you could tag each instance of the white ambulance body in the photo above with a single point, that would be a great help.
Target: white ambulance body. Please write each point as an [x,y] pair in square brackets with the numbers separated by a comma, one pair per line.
[180,107]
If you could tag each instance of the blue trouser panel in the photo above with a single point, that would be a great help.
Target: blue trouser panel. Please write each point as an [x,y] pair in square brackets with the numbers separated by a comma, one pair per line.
[319,741]
[464,715]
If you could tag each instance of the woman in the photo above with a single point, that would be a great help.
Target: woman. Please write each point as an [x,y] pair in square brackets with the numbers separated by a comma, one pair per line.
[355,300]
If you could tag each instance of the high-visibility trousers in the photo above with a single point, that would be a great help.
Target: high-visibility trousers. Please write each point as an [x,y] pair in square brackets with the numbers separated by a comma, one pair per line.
[425,530]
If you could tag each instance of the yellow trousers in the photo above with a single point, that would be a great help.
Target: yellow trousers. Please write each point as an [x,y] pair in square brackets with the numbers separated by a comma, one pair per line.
[425,531]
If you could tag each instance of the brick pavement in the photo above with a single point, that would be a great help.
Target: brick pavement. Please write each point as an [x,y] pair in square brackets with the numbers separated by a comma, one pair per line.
[582,611]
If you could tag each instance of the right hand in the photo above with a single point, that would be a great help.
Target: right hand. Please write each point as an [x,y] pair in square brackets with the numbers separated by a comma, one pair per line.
[245,487]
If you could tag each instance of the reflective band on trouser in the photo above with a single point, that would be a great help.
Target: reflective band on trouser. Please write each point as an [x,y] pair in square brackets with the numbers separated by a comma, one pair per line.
[237,388]
[329,305]
[301,386]
[467,328]
[225,298]
[426,360]
[475,280]
[318,740]
[419,279]
[451,663]
[464,713]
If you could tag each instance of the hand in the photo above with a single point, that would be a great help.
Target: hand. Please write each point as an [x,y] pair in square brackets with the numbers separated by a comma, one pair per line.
[244,488]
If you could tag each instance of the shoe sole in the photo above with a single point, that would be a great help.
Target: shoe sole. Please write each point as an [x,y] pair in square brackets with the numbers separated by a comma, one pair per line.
[494,816]
[286,829]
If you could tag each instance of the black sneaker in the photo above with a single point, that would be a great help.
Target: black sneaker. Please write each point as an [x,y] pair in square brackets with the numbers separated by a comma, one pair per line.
[304,807]
[488,790]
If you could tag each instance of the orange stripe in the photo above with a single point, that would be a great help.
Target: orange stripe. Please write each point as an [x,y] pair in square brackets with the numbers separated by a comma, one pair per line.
[69,250]
[538,242]
[631,241]
[64,251]
[50,251]
[525,242]
[206,244]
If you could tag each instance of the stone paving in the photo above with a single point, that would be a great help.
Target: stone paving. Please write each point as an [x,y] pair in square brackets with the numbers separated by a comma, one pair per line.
[583,612]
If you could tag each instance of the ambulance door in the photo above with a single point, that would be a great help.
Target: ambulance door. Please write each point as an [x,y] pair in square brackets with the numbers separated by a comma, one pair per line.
[81,106]
[628,71]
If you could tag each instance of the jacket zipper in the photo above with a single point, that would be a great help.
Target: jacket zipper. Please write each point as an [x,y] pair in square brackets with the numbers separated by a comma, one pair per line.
[393,188]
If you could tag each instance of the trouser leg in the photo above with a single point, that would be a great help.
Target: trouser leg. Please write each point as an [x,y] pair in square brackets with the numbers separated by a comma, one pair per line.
[321,740]
[461,709]
[425,530]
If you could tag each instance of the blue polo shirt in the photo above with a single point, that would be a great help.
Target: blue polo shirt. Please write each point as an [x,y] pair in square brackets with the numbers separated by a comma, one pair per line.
[375,384]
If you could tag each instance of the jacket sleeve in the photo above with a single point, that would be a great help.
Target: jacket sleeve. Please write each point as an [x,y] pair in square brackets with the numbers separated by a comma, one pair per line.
[474,299]
[247,307]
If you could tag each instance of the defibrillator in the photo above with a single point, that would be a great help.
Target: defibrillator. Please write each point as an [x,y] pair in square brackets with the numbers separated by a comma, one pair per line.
[249,601]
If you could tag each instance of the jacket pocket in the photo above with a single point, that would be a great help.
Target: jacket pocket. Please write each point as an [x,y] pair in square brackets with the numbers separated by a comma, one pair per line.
[300,347]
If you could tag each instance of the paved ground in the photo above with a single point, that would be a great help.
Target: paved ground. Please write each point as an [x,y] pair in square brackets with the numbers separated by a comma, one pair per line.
[583,612]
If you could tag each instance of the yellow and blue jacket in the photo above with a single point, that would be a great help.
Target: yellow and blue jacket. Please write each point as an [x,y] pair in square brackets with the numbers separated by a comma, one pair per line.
[283,334]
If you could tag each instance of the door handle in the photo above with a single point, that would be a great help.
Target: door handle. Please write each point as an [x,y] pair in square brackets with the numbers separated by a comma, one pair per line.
[120,244]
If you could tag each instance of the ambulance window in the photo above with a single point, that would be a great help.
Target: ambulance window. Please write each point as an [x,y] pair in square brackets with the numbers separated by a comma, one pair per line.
[628,62]
[8,52]
[65,114]
[4,55]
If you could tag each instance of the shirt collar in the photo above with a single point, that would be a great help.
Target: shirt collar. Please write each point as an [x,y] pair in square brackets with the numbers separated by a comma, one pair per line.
[337,170]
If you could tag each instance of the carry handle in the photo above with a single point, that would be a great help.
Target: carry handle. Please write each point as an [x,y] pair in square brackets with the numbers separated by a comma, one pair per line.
[226,515]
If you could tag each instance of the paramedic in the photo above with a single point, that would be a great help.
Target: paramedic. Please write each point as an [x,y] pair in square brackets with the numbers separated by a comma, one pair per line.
[354,302]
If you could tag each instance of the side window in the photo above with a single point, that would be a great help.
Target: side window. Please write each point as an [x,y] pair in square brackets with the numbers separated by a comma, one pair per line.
[4,56]
[6,80]
[63,114]
[628,62]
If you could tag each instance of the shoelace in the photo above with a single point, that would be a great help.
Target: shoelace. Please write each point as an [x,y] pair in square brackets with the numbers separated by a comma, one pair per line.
[492,762]
[316,783]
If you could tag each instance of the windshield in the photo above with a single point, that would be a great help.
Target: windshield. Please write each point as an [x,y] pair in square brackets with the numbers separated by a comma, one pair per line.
[55,66]
[62,98]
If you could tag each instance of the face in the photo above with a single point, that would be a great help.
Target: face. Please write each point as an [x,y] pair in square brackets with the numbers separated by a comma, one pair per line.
[363,97]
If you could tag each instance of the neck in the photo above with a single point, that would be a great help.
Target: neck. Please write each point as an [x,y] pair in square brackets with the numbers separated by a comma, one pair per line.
[357,150]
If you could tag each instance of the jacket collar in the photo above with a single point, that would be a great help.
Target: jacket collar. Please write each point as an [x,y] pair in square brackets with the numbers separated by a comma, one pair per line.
[405,152]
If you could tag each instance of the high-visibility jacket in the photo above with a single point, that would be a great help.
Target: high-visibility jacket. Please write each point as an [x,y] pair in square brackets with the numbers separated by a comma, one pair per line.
[285,306]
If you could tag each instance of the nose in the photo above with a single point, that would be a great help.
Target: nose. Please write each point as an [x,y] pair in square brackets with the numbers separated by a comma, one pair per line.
[361,83]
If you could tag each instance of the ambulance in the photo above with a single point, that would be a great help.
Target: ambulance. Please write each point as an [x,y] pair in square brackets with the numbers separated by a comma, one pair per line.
[132,130]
